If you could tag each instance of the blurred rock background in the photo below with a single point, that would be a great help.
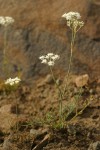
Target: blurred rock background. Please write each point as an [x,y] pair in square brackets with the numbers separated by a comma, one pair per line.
[39,29]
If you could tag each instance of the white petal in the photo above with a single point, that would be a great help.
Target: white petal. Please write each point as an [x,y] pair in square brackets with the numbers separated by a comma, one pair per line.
[51,63]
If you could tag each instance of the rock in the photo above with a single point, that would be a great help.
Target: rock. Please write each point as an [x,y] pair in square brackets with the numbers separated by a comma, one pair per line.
[82,80]
[98,90]
[33,35]
[7,121]
[6,109]
[94,146]
[34,132]
[8,143]
[39,132]
[7,118]
[47,80]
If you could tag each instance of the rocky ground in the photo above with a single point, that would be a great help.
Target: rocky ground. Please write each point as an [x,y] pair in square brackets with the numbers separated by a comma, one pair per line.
[34,103]
[39,29]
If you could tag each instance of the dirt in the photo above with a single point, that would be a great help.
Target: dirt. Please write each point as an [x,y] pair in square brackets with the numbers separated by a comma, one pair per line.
[29,115]
[34,101]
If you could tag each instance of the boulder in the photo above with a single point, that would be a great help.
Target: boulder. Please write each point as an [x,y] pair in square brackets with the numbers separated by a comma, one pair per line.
[39,29]
[82,80]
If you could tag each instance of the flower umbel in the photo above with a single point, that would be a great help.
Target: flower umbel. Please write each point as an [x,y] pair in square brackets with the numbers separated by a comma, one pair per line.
[13,81]
[5,21]
[73,20]
[49,59]
[72,16]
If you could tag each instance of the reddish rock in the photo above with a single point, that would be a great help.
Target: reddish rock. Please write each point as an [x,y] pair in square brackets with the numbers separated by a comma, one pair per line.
[82,80]
[8,119]
[6,109]
[39,29]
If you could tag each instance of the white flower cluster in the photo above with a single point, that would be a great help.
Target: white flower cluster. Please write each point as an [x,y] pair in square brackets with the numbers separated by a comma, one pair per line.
[49,59]
[5,21]
[73,20]
[11,81]
[72,15]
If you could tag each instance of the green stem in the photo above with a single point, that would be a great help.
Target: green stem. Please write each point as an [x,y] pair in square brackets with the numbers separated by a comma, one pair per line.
[5,41]
[77,99]
[60,95]
[70,61]
[4,51]
[16,120]
[80,112]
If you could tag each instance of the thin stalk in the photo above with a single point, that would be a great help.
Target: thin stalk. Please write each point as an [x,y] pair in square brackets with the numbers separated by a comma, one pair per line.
[5,45]
[77,99]
[16,120]
[17,115]
[70,61]
[80,112]
[60,95]
[5,40]
[4,51]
